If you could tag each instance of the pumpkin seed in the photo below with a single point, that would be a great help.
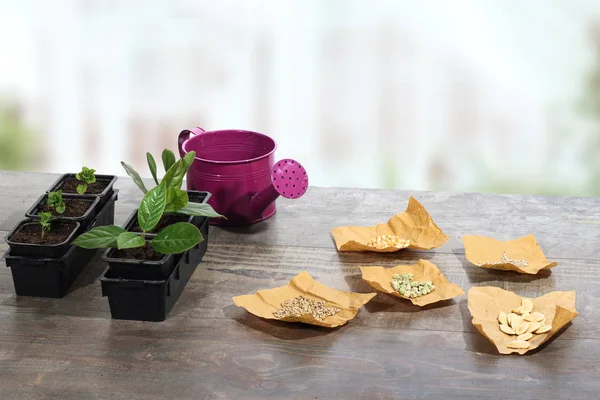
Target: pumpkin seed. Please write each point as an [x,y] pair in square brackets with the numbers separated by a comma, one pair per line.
[525,336]
[503,318]
[507,329]
[543,329]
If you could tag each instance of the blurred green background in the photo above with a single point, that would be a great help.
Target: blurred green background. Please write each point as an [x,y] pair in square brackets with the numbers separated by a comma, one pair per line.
[498,96]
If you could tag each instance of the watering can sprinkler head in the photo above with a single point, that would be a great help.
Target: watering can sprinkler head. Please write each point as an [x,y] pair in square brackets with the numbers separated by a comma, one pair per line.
[288,179]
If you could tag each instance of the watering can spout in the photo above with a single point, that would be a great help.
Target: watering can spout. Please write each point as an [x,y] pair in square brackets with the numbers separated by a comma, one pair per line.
[288,179]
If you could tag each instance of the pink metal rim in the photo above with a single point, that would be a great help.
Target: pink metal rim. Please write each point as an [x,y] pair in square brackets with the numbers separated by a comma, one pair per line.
[236,161]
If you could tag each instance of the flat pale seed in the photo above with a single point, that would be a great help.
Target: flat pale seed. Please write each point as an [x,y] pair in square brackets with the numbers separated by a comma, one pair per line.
[503,318]
[521,329]
[543,329]
[518,344]
[516,321]
[527,305]
[534,317]
[525,336]
[510,318]
[534,326]
[507,329]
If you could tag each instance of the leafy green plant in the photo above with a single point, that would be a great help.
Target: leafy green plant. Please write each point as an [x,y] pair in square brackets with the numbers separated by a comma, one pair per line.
[45,221]
[55,201]
[85,177]
[175,172]
[173,239]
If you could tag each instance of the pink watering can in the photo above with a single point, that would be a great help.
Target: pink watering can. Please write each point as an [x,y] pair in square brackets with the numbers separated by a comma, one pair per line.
[238,168]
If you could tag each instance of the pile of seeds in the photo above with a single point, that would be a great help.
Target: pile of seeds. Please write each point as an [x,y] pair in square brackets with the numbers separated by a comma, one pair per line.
[405,285]
[506,260]
[523,322]
[299,306]
[385,241]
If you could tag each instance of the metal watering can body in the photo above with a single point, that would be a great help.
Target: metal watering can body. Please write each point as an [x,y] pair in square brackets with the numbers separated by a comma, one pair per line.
[238,167]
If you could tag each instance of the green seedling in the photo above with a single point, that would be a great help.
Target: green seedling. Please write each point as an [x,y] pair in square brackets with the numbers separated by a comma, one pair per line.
[175,171]
[55,201]
[45,221]
[173,239]
[85,177]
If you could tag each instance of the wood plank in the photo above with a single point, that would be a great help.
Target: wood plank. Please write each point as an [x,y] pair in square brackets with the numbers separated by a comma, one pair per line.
[73,358]
[566,227]
[70,348]
[231,270]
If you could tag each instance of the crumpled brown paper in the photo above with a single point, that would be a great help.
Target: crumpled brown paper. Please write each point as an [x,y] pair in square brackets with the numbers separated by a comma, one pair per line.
[485,303]
[265,302]
[381,279]
[414,224]
[482,251]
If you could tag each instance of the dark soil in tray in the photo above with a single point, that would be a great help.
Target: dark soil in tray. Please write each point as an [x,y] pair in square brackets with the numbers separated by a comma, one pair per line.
[73,208]
[70,186]
[166,220]
[145,253]
[32,233]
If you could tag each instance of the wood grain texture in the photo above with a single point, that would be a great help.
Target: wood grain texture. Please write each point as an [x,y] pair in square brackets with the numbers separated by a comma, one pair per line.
[71,349]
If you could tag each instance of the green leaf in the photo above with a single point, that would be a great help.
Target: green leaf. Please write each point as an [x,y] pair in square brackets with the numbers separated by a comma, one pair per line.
[86,175]
[199,210]
[81,188]
[99,237]
[135,176]
[168,159]
[152,207]
[129,240]
[174,176]
[60,208]
[176,198]
[152,165]
[177,238]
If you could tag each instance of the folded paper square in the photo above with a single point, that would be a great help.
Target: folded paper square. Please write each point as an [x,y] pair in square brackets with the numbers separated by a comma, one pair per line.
[485,304]
[380,278]
[522,255]
[265,302]
[415,225]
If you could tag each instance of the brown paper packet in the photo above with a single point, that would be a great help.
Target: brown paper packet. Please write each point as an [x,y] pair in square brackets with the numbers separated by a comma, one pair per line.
[264,303]
[414,224]
[482,251]
[485,303]
[381,279]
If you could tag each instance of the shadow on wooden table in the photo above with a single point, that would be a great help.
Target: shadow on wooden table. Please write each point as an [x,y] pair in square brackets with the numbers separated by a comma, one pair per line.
[280,330]
[478,275]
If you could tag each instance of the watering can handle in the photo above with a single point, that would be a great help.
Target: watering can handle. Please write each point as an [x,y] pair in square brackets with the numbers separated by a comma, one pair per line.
[185,135]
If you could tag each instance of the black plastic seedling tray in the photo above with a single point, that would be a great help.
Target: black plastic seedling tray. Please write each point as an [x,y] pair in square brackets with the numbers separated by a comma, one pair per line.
[85,220]
[125,268]
[52,277]
[41,250]
[147,300]
[104,196]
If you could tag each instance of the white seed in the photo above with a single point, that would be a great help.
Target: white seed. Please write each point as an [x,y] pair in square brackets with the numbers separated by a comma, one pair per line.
[534,326]
[521,329]
[543,329]
[518,344]
[527,305]
[503,318]
[507,329]
[515,321]
[534,317]
[525,336]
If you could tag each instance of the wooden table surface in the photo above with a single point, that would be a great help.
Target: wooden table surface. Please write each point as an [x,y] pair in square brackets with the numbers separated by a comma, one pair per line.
[208,348]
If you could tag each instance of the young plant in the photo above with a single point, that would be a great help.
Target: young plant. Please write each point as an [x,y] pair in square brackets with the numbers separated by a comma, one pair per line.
[55,201]
[173,180]
[85,177]
[173,239]
[45,221]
